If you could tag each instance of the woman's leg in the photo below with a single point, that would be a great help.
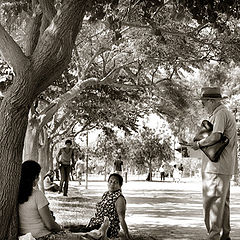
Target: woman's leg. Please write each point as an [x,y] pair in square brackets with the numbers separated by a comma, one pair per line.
[100,233]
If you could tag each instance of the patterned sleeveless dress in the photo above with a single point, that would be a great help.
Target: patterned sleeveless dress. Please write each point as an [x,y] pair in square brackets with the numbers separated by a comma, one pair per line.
[106,207]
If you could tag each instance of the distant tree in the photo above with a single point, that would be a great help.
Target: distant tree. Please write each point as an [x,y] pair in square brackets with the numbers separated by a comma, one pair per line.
[107,145]
[148,150]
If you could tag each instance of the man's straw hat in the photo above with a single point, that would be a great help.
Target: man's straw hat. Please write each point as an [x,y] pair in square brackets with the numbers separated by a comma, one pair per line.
[211,93]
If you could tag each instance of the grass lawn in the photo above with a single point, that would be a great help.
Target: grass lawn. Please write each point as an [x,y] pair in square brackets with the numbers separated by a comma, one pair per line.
[155,210]
[77,209]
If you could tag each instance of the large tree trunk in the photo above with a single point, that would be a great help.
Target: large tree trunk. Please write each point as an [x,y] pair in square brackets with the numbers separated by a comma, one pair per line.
[149,177]
[13,123]
[31,142]
[45,62]
[43,158]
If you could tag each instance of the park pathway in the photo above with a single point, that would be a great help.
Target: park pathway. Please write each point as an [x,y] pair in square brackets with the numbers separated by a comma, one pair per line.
[163,210]
[168,210]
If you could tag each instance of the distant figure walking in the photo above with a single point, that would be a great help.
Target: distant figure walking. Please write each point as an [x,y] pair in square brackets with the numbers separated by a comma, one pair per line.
[79,167]
[180,168]
[176,173]
[162,173]
[65,159]
[118,164]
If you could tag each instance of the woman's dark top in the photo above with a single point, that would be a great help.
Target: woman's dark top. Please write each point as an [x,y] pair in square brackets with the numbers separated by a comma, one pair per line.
[106,207]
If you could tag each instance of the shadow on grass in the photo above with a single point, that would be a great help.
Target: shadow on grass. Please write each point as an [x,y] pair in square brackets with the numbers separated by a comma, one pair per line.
[170,233]
[162,212]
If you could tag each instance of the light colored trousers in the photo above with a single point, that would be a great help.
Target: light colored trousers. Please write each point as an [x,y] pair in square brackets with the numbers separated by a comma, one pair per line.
[216,193]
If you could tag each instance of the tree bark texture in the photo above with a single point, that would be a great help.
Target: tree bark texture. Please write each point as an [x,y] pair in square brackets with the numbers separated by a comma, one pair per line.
[34,73]
[31,143]
[43,157]
[13,123]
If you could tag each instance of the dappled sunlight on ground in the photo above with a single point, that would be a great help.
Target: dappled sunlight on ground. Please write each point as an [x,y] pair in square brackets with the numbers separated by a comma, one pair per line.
[155,210]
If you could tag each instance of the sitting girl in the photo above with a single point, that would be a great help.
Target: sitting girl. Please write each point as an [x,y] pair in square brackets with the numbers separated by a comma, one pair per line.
[113,206]
[48,183]
[34,214]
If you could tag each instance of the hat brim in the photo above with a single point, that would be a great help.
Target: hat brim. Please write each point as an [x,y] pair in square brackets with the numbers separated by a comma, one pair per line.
[206,98]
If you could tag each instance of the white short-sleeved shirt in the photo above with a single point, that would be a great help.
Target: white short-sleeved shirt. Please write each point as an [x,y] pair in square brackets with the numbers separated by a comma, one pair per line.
[47,183]
[29,218]
[223,122]
[79,166]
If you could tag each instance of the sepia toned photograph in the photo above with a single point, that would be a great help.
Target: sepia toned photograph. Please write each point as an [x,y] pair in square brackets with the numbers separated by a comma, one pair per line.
[119,119]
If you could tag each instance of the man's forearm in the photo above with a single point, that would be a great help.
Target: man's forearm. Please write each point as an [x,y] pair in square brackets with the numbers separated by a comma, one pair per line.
[210,140]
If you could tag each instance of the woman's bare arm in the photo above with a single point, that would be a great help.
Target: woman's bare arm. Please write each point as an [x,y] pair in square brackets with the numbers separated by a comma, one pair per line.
[121,210]
[48,219]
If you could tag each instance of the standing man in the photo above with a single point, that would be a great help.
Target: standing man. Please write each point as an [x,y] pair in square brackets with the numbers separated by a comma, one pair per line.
[65,160]
[118,163]
[216,176]
[162,173]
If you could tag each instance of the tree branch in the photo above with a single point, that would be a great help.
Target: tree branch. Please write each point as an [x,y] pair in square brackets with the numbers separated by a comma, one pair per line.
[97,53]
[34,33]
[66,23]
[34,29]
[65,130]
[62,59]
[49,111]
[190,34]
[10,51]
[59,123]
[48,9]
[129,72]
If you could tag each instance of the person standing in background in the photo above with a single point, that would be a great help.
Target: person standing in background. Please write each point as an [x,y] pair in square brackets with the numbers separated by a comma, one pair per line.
[176,174]
[216,176]
[65,160]
[79,167]
[180,168]
[118,163]
[162,173]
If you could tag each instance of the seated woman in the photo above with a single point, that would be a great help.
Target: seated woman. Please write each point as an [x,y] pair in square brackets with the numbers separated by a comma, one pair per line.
[34,214]
[48,183]
[113,206]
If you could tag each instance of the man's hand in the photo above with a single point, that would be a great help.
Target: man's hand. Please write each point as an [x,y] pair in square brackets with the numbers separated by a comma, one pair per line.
[195,145]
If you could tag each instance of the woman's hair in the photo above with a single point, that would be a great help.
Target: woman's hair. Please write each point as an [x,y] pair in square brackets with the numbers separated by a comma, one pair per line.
[118,176]
[30,171]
